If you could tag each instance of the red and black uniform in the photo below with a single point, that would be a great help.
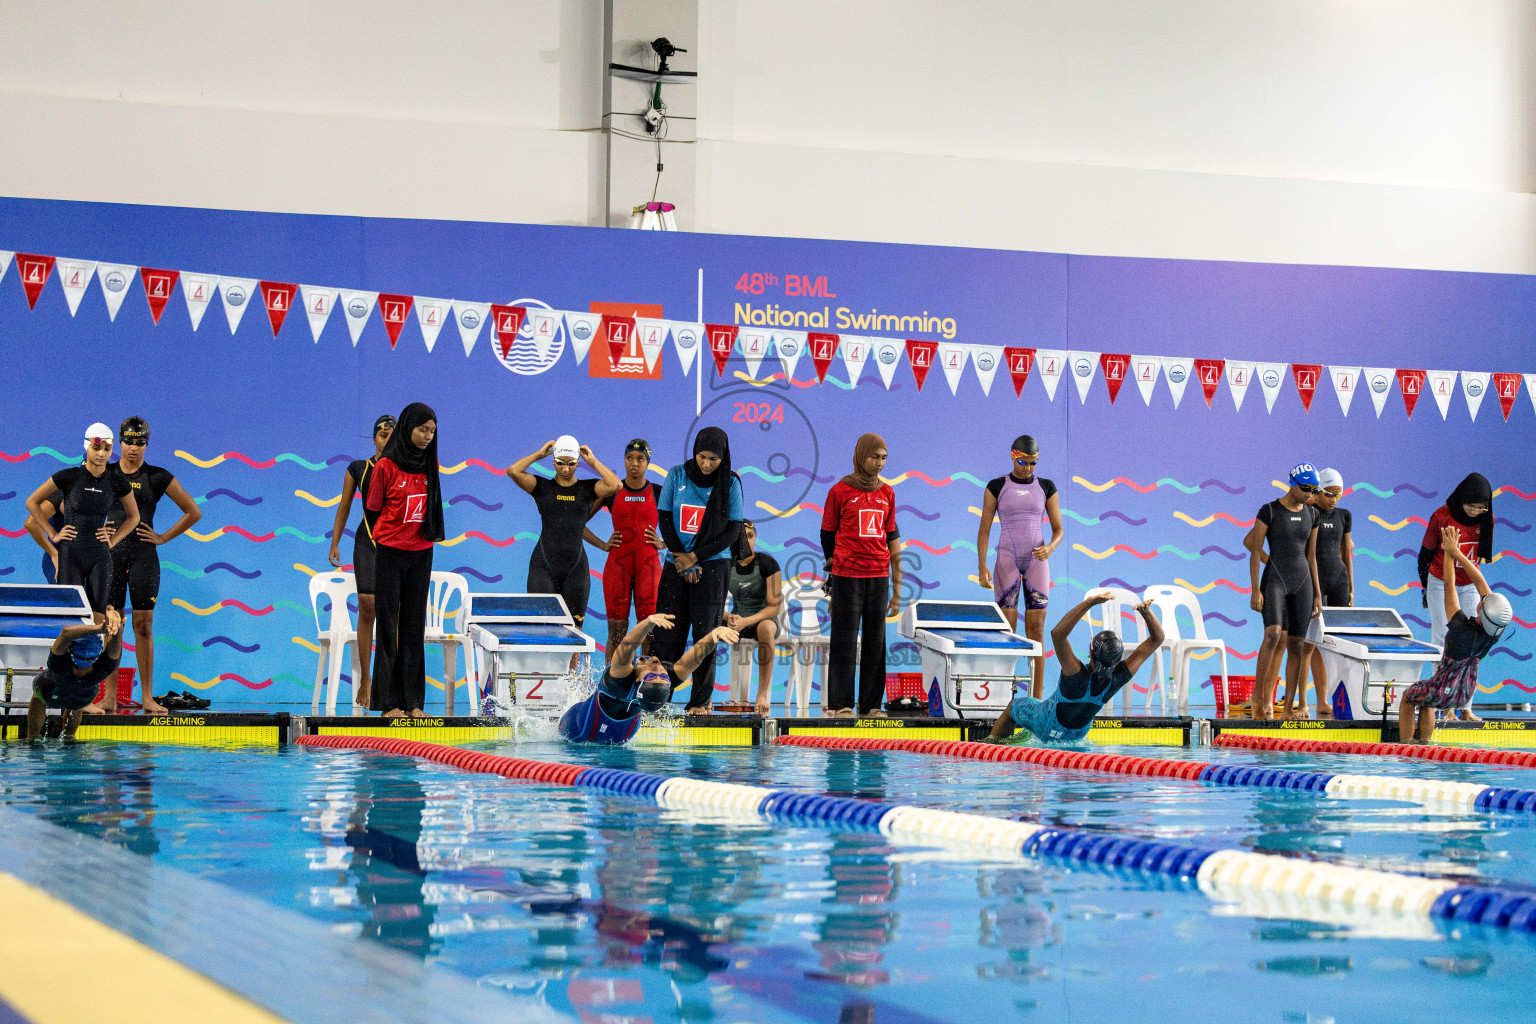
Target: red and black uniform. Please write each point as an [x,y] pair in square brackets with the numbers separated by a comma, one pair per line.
[402,577]
[1470,534]
[633,569]
[857,528]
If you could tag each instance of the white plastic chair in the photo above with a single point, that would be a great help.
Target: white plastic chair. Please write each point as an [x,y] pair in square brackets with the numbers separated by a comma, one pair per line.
[1110,616]
[744,665]
[800,630]
[450,634]
[333,637]
[1166,601]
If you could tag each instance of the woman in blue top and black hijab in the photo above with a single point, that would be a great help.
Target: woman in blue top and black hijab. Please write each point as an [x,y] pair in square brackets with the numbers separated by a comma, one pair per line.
[700,512]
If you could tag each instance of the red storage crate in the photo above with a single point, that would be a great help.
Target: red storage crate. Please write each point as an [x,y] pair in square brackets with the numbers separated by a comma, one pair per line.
[904,684]
[1241,688]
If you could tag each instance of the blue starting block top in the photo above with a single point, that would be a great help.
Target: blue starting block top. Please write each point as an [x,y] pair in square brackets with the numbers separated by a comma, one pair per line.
[520,605]
[533,634]
[33,627]
[1388,644]
[980,638]
[39,599]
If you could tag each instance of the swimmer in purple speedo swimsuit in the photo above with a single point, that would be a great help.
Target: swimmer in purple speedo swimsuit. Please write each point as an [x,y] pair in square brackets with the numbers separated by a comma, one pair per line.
[1021,502]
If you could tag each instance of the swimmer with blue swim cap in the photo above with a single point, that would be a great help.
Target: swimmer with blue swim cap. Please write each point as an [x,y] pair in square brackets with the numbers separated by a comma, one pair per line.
[629,686]
[1067,715]
[79,662]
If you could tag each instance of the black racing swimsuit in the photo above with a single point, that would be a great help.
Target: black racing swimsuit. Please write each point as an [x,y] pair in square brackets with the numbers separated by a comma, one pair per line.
[558,564]
[136,562]
[1332,526]
[1287,580]
[360,470]
[87,501]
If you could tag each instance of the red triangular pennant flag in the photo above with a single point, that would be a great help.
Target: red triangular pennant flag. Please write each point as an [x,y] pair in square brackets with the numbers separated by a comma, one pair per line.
[823,347]
[158,285]
[34,274]
[722,339]
[1508,387]
[1114,367]
[1411,384]
[1019,360]
[618,330]
[1305,375]
[278,298]
[1208,372]
[506,321]
[920,355]
[395,310]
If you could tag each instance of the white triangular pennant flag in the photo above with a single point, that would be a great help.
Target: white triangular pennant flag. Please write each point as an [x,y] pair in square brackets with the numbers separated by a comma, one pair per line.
[471,317]
[1271,379]
[358,307]
[1530,388]
[1346,381]
[198,290]
[686,338]
[1378,380]
[318,303]
[753,343]
[1474,386]
[581,328]
[855,351]
[1084,367]
[5,262]
[542,324]
[1176,371]
[431,315]
[236,293]
[789,345]
[653,338]
[951,356]
[1239,376]
[1051,363]
[887,358]
[115,280]
[74,276]
[1146,369]
[1441,383]
[985,359]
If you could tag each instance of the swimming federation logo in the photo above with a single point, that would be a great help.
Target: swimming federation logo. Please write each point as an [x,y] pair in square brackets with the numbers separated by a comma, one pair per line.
[788,346]
[685,337]
[1176,374]
[469,318]
[887,354]
[1474,388]
[1271,379]
[523,357]
[582,330]
[356,309]
[235,296]
[115,281]
[986,362]
[1379,383]
[1082,368]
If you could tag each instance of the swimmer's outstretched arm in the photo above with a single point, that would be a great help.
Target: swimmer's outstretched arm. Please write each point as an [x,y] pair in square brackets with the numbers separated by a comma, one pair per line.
[623,655]
[694,656]
[1154,640]
[518,471]
[1059,636]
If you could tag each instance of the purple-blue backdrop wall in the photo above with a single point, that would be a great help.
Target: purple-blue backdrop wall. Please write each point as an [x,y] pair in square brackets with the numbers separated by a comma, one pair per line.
[1139,484]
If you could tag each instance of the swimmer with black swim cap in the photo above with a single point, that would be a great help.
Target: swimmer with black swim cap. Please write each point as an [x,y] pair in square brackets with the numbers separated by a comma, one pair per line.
[627,687]
[1067,715]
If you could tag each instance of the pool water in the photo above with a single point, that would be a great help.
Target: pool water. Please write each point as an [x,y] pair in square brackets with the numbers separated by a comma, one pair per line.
[561,904]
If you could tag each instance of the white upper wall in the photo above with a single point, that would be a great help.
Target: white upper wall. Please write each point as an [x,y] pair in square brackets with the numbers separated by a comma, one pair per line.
[1383,132]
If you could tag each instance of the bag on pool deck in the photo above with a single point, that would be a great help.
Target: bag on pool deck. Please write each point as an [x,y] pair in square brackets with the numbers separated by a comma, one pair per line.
[907,707]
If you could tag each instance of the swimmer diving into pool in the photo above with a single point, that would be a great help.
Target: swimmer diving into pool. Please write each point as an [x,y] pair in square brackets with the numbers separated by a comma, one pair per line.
[612,714]
[1067,715]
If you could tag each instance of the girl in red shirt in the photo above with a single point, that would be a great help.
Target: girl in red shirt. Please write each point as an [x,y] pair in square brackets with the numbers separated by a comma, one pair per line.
[404,491]
[1469,510]
[861,542]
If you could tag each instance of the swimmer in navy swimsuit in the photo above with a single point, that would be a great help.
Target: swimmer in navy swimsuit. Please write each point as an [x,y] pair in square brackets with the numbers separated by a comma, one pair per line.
[612,714]
[1022,503]
[1068,714]
[1288,594]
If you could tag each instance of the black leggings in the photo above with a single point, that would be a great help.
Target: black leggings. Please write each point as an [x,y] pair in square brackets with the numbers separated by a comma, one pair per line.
[700,606]
[857,606]
[574,584]
[402,579]
[90,566]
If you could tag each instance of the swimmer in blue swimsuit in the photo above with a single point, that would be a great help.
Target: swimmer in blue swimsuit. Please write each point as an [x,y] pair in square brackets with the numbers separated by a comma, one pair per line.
[612,714]
[1067,715]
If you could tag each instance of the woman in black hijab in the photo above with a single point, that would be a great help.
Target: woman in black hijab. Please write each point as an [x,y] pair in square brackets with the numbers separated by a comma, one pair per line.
[404,491]
[1470,510]
[699,516]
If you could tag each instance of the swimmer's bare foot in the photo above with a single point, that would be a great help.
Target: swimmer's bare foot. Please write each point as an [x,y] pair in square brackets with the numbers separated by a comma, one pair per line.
[418,713]
[701,710]
[394,713]
[763,709]
[154,707]
[1468,716]
[93,709]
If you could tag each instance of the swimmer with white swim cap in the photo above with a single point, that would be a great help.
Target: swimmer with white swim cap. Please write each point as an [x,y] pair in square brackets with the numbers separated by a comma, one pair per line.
[1335,571]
